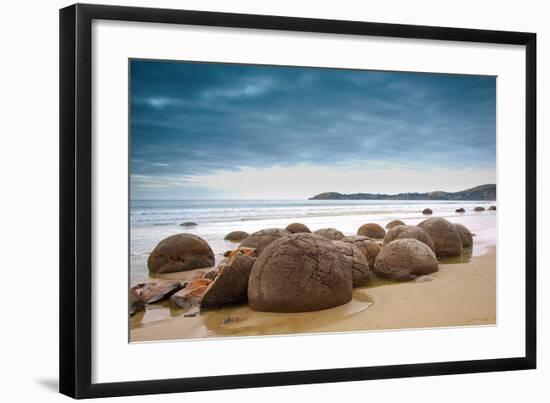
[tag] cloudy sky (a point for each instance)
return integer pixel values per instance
(202, 131)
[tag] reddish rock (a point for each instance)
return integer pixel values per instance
(231, 284)
(158, 290)
(192, 293)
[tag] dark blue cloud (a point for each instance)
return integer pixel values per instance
(196, 118)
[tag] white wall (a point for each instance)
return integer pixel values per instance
(29, 197)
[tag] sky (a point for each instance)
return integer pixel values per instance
(233, 131)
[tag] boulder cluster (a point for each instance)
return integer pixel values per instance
(294, 269)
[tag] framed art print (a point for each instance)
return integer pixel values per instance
(266, 198)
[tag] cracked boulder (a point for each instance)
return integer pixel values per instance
(259, 240)
(405, 259)
(367, 246)
(180, 252)
(409, 231)
(356, 261)
(231, 284)
(445, 236)
(329, 233)
(299, 273)
(371, 230)
(465, 235)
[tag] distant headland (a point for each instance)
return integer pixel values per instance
(482, 192)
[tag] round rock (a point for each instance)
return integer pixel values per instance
(371, 230)
(329, 233)
(465, 235)
(493, 208)
(297, 228)
(236, 236)
(394, 223)
(405, 259)
(179, 253)
(444, 235)
(409, 231)
(479, 208)
(460, 210)
(367, 246)
(299, 273)
(427, 211)
(356, 262)
(259, 240)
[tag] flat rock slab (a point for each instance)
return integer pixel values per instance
(158, 290)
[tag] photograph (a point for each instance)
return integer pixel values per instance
(280, 200)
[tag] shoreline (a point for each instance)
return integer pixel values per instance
(460, 294)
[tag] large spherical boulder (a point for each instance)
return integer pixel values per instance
(329, 233)
(444, 235)
(409, 231)
(299, 273)
(367, 246)
(427, 211)
(479, 208)
(296, 228)
(405, 259)
(356, 261)
(493, 208)
(179, 253)
(460, 210)
(371, 230)
(259, 240)
(236, 236)
(465, 235)
(230, 285)
(394, 223)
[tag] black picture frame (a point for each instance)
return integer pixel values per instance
(75, 307)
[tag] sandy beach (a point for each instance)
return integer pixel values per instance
(461, 293)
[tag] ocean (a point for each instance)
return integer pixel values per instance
(153, 220)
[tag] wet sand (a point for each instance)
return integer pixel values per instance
(459, 294)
